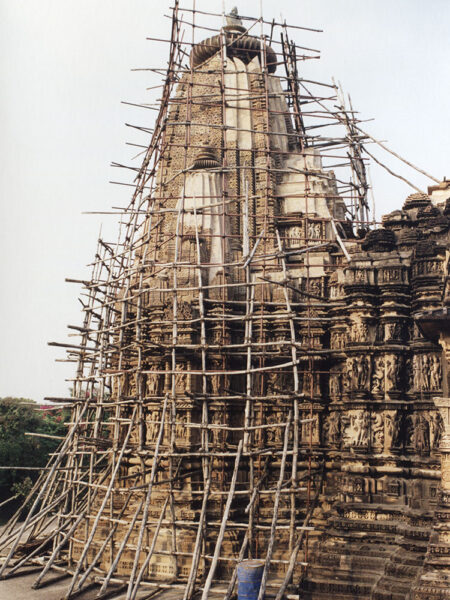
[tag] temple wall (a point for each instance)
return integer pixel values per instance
(340, 343)
(382, 430)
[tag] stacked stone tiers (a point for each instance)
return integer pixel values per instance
(382, 431)
(364, 374)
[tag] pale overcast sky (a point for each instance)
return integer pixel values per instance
(65, 67)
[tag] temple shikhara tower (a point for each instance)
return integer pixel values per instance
(260, 366)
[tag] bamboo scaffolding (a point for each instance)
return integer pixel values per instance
(273, 526)
(135, 454)
(223, 524)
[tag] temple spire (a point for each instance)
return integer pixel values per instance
(234, 22)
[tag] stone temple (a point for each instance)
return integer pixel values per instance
(260, 371)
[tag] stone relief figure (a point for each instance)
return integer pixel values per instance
(180, 378)
(356, 427)
(363, 331)
(393, 331)
(358, 373)
(335, 385)
(393, 366)
(314, 230)
(363, 367)
(360, 276)
(377, 427)
(398, 430)
(185, 312)
(417, 372)
(351, 331)
(295, 235)
(311, 384)
(336, 291)
(272, 382)
(153, 426)
(408, 433)
(435, 372)
(359, 331)
(314, 287)
(358, 485)
(436, 429)
(427, 372)
(271, 432)
(421, 433)
(310, 430)
(378, 375)
(347, 375)
(389, 428)
(181, 431)
(379, 332)
(347, 429)
(218, 435)
(363, 428)
(426, 364)
(334, 428)
(152, 384)
(391, 275)
(389, 331)
(334, 340)
(338, 340)
(401, 367)
(350, 375)
(325, 432)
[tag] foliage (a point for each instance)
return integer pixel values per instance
(22, 488)
(19, 416)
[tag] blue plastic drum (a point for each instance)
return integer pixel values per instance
(249, 575)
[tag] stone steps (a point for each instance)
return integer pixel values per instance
(324, 588)
(401, 571)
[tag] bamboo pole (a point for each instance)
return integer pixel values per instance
(299, 542)
(145, 564)
(56, 550)
(108, 538)
(115, 311)
(223, 525)
(147, 502)
(101, 508)
(273, 527)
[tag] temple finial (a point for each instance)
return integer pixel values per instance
(233, 19)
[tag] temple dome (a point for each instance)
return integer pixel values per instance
(416, 200)
(239, 44)
(379, 240)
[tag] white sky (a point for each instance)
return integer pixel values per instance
(65, 67)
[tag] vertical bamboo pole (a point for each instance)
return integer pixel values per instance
(223, 524)
(273, 527)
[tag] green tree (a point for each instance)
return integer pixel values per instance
(19, 416)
